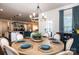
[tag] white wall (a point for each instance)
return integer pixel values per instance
(54, 16)
(3, 26)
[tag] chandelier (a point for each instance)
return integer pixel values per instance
(35, 15)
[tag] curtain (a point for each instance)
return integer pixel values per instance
(75, 18)
(75, 11)
(61, 21)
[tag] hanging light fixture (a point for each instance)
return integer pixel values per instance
(35, 15)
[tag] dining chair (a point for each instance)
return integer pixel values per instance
(56, 37)
(19, 36)
(46, 34)
(16, 36)
(68, 46)
(3, 41)
(9, 50)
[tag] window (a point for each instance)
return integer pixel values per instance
(68, 21)
(49, 26)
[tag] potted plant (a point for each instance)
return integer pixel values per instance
(37, 36)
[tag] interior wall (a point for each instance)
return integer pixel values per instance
(3, 26)
(54, 16)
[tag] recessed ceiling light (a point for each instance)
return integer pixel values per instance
(1, 9)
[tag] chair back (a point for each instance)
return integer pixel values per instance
(19, 36)
(69, 43)
(16, 36)
(46, 34)
(57, 37)
(3, 41)
(10, 51)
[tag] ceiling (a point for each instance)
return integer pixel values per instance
(11, 10)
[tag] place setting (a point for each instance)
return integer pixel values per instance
(45, 47)
(25, 46)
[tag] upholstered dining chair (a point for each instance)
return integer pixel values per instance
(68, 46)
(3, 41)
(9, 50)
(56, 37)
(19, 36)
(46, 34)
(16, 36)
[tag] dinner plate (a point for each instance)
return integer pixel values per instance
(45, 47)
(25, 45)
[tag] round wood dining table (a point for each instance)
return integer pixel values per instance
(35, 48)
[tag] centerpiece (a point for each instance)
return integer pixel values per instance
(37, 37)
